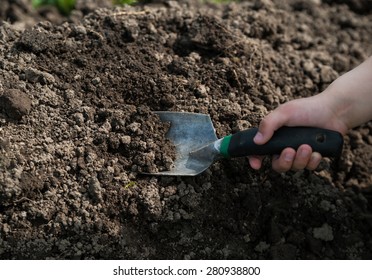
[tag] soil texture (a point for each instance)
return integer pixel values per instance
(77, 129)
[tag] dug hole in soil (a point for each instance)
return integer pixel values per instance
(77, 128)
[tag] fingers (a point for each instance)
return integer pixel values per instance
(255, 162)
(315, 160)
(289, 159)
(302, 157)
(301, 112)
(269, 124)
(284, 162)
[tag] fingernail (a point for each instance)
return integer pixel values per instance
(316, 157)
(258, 137)
(288, 157)
(304, 153)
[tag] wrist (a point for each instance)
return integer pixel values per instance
(350, 96)
(336, 107)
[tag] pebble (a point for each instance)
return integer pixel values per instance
(95, 189)
(96, 81)
(15, 104)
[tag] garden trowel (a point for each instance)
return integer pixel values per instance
(197, 145)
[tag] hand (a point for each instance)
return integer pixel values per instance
(345, 104)
(290, 159)
(313, 111)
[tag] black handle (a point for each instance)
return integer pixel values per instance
(326, 142)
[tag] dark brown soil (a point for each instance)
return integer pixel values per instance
(77, 129)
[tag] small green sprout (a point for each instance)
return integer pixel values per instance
(129, 185)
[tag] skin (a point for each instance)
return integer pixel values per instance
(345, 104)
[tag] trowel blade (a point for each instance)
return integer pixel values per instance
(194, 136)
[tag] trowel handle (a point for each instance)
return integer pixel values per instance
(326, 142)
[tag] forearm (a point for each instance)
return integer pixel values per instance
(350, 96)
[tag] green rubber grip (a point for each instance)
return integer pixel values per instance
(225, 146)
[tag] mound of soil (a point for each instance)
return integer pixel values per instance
(77, 128)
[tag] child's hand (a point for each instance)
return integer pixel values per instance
(345, 104)
(313, 111)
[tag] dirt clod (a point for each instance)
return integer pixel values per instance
(15, 103)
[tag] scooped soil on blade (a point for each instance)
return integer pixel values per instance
(77, 130)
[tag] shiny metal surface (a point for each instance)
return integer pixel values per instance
(194, 138)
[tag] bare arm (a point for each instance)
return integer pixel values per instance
(350, 96)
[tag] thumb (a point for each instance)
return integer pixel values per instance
(269, 125)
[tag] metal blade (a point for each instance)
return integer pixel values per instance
(193, 135)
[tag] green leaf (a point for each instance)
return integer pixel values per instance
(64, 6)
(122, 2)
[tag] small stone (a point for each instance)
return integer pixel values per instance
(95, 189)
(308, 66)
(79, 118)
(15, 104)
(202, 91)
(125, 139)
(96, 81)
(80, 29)
(134, 126)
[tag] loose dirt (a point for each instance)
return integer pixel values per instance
(77, 128)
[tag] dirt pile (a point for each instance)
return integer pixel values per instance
(76, 128)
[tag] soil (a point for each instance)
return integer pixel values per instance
(77, 130)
